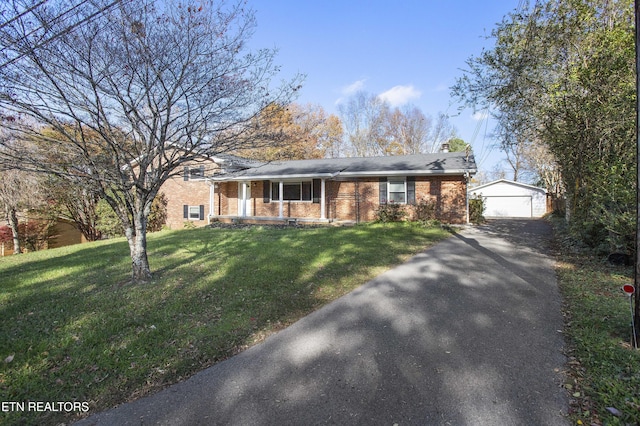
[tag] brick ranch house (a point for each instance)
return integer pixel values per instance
(229, 188)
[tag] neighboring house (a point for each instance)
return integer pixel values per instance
(505, 198)
(322, 190)
(57, 233)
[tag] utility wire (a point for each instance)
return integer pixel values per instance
(20, 15)
(65, 31)
(50, 23)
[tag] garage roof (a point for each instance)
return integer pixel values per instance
(509, 182)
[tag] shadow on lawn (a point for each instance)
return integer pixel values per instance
(451, 337)
(78, 334)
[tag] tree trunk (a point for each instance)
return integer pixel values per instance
(137, 238)
(13, 224)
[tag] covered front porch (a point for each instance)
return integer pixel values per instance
(269, 201)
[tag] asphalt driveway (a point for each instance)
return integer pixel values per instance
(466, 333)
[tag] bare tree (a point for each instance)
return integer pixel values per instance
(132, 94)
(408, 130)
(18, 191)
(441, 131)
(324, 131)
(10, 200)
(372, 127)
(363, 117)
(76, 202)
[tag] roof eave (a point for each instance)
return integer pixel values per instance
(379, 173)
(272, 177)
(408, 173)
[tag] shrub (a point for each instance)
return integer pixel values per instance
(158, 214)
(108, 222)
(424, 211)
(390, 212)
(6, 235)
(476, 209)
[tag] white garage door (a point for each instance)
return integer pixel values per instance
(508, 206)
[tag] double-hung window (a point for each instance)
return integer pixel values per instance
(193, 212)
(193, 173)
(398, 190)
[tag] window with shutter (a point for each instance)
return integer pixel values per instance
(397, 190)
(193, 173)
(193, 212)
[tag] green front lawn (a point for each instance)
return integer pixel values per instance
(74, 329)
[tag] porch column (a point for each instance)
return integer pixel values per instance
(281, 199)
(322, 200)
(244, 199)
(212, 200)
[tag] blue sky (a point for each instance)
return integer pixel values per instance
(407, 51)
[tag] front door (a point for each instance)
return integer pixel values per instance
(244, 199)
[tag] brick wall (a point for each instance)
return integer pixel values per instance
(356, 200)
(448, 192)
(226, 192)
(190, 192)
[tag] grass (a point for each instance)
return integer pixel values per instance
(74, 329)
(604, 370)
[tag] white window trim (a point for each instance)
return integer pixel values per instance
(281, 189)
(198, 176)
(192, 210)
(397, 180)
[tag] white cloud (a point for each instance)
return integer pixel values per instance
(400, 95)
(353, 87)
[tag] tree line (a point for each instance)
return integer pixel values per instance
(560, 80)
(302, 132)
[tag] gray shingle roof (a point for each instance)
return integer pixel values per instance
(402, 165)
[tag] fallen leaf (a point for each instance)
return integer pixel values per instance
(614, 411)
(8, 359)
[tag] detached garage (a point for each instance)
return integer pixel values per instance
(505, 198)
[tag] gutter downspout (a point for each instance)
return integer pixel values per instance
(280, 199)
(467, 178)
